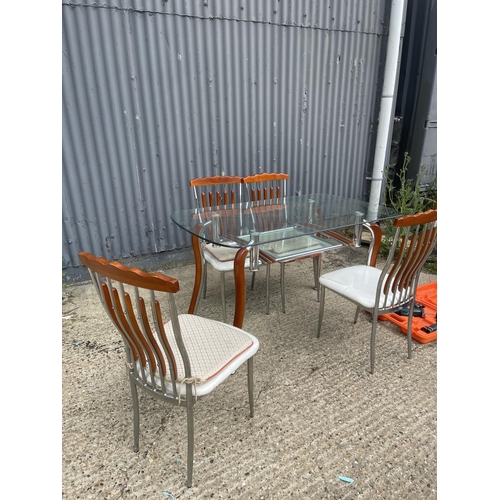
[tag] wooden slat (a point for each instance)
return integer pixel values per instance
(116, 322)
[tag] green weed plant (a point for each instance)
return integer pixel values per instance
(408, 199)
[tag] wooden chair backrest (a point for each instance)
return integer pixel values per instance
(414, 240)
(265, 187)
(217, 190)
(267, 191)
(129, 297)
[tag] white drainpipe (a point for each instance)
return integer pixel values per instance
(386, 104)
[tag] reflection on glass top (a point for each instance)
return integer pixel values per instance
(236, 225)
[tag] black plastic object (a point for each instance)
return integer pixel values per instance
(418, 311)
(429, 328)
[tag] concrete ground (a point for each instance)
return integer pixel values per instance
(319, 413)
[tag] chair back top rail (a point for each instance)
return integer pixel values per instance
(217, 190)
(266, 186)
(415, 219)
(129, 275)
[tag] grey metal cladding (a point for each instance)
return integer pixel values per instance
(158, 92)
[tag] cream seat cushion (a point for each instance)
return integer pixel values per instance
(215, 350)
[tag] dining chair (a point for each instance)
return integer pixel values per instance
(268, 191)
(179, 360)
(381, 291)
(213, 192)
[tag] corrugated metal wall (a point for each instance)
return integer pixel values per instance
(157, 92)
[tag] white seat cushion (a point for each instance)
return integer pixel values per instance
(222, 258)
(357, 283)
(221, 253)
(215, 350)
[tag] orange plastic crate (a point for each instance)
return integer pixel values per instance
(427, 296)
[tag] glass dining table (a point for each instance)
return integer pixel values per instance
(297, 225)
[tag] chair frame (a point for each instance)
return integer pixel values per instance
(414, 240)
(148, 363)
(218, 195)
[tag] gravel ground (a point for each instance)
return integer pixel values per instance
(319, 413)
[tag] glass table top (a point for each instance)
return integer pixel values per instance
(269, 223)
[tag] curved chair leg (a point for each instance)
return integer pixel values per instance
(321, 307)
(250, 383)
(239, 287)
(190, 424)
(223, 295)
(372, 343)
(282, 286)
(268, 279)
(135, 404)
(198, 278)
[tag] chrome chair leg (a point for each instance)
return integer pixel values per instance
(190, 430)
(135, 405)
(250, 383)
(204, 280)
(253, 279)
(223, 295)
(317, 272)
(356, 315)
(282, 286)
(372, 343)
(409, 333)
(321, 308)
(268, 278)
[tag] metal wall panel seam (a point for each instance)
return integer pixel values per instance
(126, 146)
(204, 93)
(323, 47)
(298, 21)
(152, 118)
(149, 120)
(306, 115)
(349, 172)
(102, 140)
(84, 121)
(132, 112)
(325, 138)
